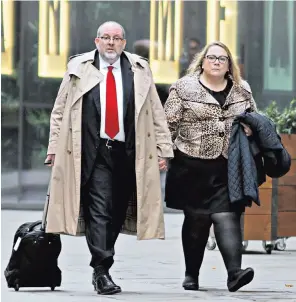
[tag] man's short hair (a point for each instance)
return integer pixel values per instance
(194, 40)
(110, 22)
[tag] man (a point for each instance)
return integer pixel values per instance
(194, 46)
(108, 140)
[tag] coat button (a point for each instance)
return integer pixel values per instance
(150, 156)
(69, 152)
(221, 134)
(148, 134)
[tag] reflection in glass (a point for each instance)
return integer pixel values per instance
(36, 137)
(279, 23)
(9, 123)
(9, 138)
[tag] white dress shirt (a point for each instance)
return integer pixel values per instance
(119, 92)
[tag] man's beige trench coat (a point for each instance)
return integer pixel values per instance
(153, 139)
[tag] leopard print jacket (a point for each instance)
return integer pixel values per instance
(199, 126)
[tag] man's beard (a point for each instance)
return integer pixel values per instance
(110, 56)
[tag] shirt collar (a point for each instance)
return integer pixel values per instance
(104, 64)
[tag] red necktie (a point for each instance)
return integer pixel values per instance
(111, 121)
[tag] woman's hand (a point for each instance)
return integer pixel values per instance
(247, 129)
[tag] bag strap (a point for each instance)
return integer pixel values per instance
(32, 226)
(44, 216)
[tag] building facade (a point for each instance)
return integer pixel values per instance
(37, 38)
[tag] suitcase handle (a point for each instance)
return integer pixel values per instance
(43, 222)
(32, 226)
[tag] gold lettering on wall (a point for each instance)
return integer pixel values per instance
(222, 23)
(228, 26)
(213, 21)
(165, 39)
(53, 38)
(7, 37)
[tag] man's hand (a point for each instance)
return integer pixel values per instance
(247, 129)
(49, 161)
(162, 162)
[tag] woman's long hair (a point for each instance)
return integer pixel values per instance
(196, 65)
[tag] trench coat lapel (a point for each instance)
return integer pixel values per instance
(95, 92)
(90, 77)
(127, 81)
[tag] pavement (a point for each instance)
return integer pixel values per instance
(153, 270)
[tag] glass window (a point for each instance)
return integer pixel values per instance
(279, 25)
(9, 139)
(39, 90)
(9, 103)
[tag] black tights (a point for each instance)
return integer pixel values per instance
(195, 233)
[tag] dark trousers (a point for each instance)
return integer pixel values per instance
(105, 198)
(195, 233)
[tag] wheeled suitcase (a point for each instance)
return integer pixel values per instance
(34, 258)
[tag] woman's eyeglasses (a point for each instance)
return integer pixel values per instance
(213, 59)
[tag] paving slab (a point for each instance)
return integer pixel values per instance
(153, 270)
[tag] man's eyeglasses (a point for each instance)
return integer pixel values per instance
(107, 39)
(221, 59)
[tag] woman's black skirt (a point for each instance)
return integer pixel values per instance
(199, 185)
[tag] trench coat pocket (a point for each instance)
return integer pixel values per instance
(57, 185)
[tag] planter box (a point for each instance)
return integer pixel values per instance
(276, 217)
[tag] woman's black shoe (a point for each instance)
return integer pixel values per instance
(240, 278)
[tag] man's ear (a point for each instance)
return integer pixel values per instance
(97, 40)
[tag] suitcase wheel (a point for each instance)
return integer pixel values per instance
(52, 288)
(269, 247)
(16, 287)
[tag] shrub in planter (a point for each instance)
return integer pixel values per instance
(286, 120)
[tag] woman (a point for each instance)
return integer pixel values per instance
(200, 110)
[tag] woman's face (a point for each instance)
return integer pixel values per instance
(216, 62)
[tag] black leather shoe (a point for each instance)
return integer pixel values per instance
(240, 278)
(103, 283)
(190, 283)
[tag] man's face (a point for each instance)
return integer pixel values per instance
(193, 48)
(110, 44)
